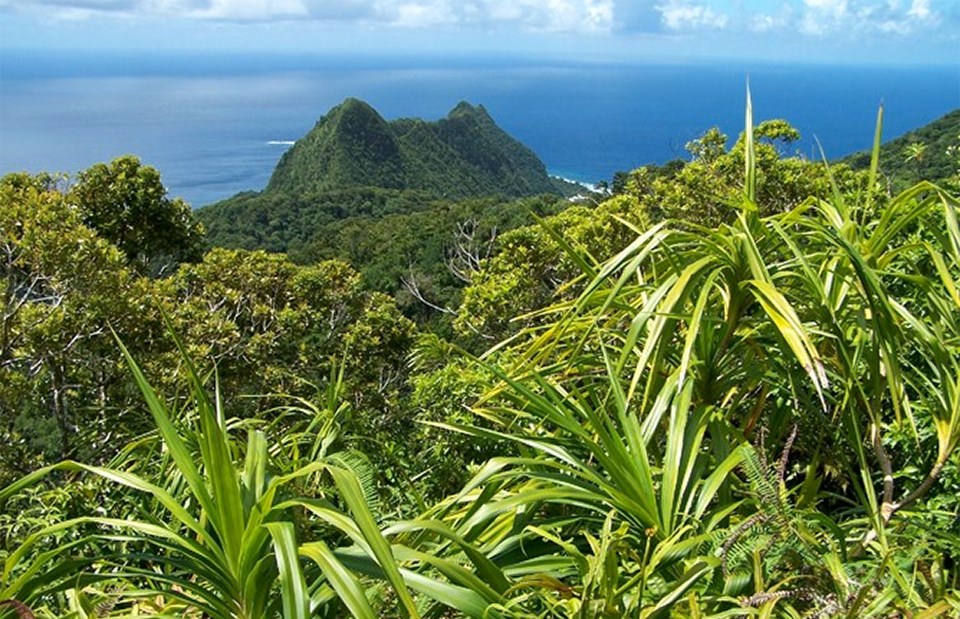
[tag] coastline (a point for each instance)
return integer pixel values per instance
(592, 187)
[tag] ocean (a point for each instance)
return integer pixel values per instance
(216, 125)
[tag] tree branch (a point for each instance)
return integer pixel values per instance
(410, 285)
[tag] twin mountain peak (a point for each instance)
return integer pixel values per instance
(462, 155)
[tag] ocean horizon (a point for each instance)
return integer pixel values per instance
(216, 125)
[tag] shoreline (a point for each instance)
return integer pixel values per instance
(588, 186)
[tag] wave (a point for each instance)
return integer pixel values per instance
(589, 186)
(281, 142)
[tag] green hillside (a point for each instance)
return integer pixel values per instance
(463, 155)
(928, 153)
(354, 165)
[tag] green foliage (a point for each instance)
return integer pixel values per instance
(831, 326)
(223, 543)
(402, 243)
(729, 390)
(928, 153)
(73, 256)
(446, 383)
(280, 222)
(532, 266)
(777, 131)
(126, 203)
(707, 189)
(434, 250)
(62, 285)
(708, 147)
(274, 330)
(267, 325)
(390, 199)
(465, 154)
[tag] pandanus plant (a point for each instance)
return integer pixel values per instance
(222, 542)
(640, 411)
(640, 414)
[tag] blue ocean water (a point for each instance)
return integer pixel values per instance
(216, 125)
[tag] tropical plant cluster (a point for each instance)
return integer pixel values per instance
(731, 388)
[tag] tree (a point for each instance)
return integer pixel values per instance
(63, 286)
(777, 131)
(127, 204)
(213, 537)
(916, 153)
(532, 266)
(275, 330)
(746, 419)
(268, 326)
(708, 147)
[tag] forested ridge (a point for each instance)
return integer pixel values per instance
(354, 163)
(725, 387)
(922, 154)
(394, 199)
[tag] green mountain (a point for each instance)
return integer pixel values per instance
(354, 171)
(921, 154)
(463, 155)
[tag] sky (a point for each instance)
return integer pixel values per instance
(834, 31)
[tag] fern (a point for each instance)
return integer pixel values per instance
(779, 543)
(358, 464)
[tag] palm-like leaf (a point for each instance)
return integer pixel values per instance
(633, 405)
(228, 547)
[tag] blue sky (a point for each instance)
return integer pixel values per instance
(840, 31)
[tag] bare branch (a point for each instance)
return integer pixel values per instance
(886, 507)
(410, 285)
(23, 611)
(467, 251)
(785, 455)
(920, 490)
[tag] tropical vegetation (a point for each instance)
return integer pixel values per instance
(729, 389)
(928, 152)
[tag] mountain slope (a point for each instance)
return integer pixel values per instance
(354, 165)
(921, 154)
(463, 155)
(350, 146)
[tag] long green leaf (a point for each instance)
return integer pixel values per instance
(874, 159)
(171, 437)
(343, 581)
(750, 157)
(353, 496)
(293, 587)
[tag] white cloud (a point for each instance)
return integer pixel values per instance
(831, 17)
(893, 27)
(775, 19)
(73, 9)
(920, 9)
(766, 23)
(811, 18)
(836, 7)
(534, 15)
(245, 9)
(573, 15)
(682, 15)
(821, 16)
